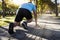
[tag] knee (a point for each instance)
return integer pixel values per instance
(29, 20)
(16, 23)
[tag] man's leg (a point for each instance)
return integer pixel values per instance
(11, 27)
(17, 20)
(24, 24)
(28, 16)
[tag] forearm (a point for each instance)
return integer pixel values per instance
(35, 16)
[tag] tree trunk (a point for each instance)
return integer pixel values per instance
(56, 8)
(4, 8)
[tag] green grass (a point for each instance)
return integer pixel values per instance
(53, 14)
(5, 21)
(58, 17)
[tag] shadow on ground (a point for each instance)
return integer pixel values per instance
(50, 23)
(7, 21)
(22, 34)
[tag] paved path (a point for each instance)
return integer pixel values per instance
(47, 30)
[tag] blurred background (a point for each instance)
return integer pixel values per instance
(8, 8)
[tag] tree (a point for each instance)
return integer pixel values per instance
(44, 4)
(7, 6)
(3, 7)
(56, 8)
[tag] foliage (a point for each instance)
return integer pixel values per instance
(0, 6)
(11, 5)
(5, 21)
(44, 5)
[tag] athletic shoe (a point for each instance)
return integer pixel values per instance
(24, 24)
(11, 26)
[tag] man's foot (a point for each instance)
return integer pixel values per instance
(11, 26)
(24, 24)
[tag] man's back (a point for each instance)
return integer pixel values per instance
(28, 6)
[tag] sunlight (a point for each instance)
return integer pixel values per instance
(0, 0)
(18, 2)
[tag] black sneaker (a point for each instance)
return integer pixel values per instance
(11, 26)
(24, 24)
